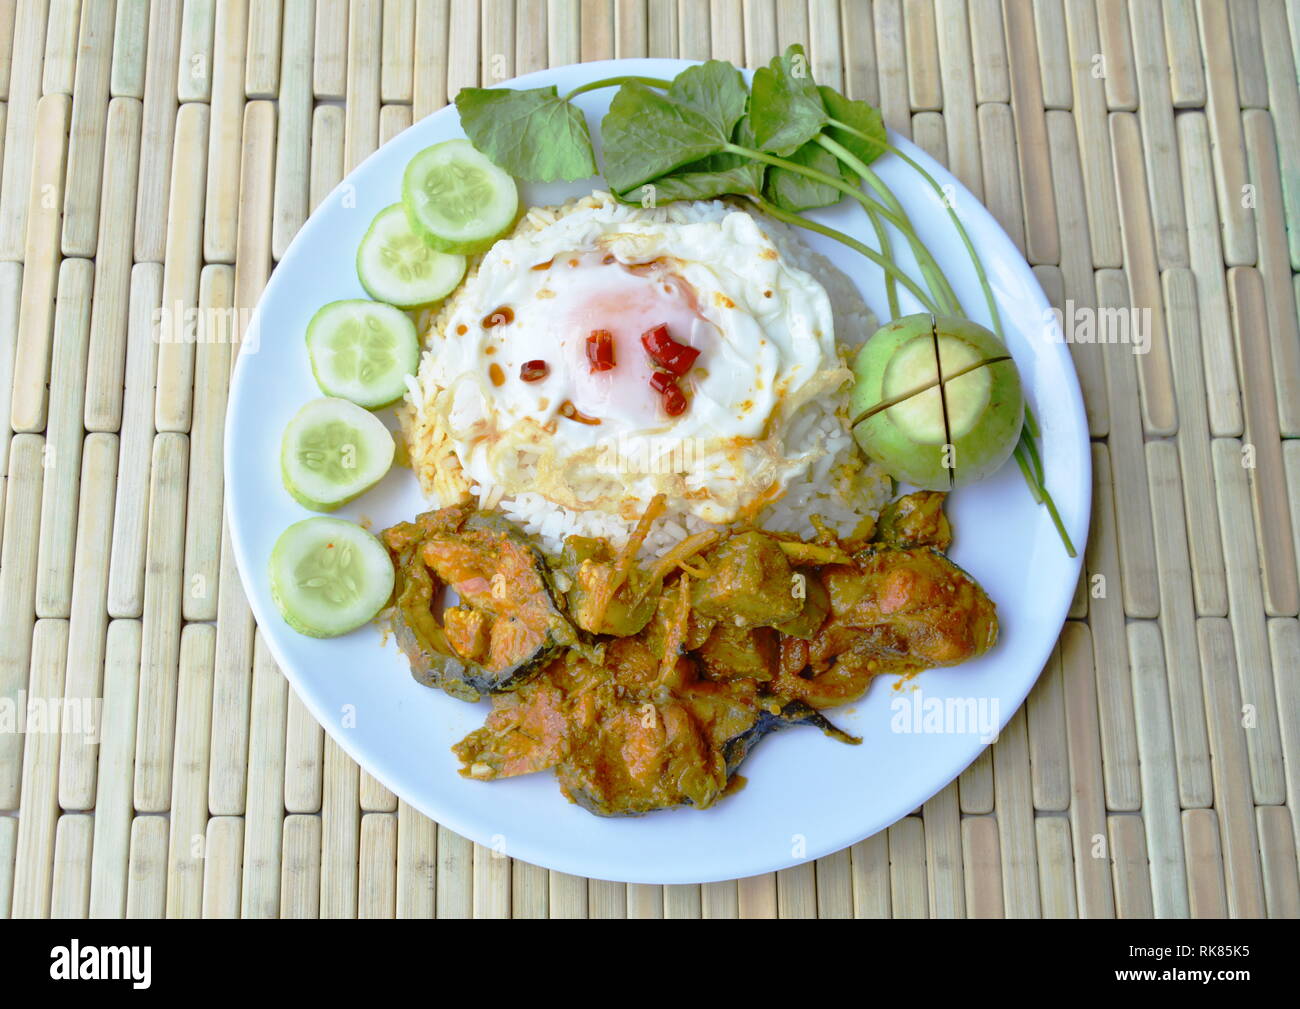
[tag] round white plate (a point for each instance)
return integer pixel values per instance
(806, 795)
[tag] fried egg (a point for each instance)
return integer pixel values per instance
(539, 378)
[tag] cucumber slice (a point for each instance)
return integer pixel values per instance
(363, 350)
(397, 266)
(458, 200)
(332, 451)
(329, 576)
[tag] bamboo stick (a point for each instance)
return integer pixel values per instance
(943, 860)
(1232, 768)
(225, 849)
(661, 27)
(562, 19)
(86, 144)
(330, 61)
(60, 65)
(362, 111)
(1208, 577)
(871, 897)
(303, 757)
(130, 46)
(924, 87)
(528, 891)
(454, 896)
(891, 66)
(1284, 644)
(1156, 748)
(232, 685)
(213, 340)
(958, 89)
(858, 28)
(1015, 823)
(1284, 101)
(643, 902)
(1056, 867)
(105, 372)
(417, 864)
(340, 826)
(490, 884)
(397, 63)
(989, 52)
(530, 37)
(1094, 141)
(1053, 53)
(463, 46)
(1206, 257)
(188, 854)
(1205, 890)
(17, 596)
(110, 857)
(566, 895)
(907, 869)
(1283, 327)
(89, 617)
(194, 68)
(159, 121)
(378, 868)
(1246, 608)
(497, 41)
(694, 40)
(1248, 54)
(982, 869)
(834, 889)
(222, 193)
(1042, 243)
(11, 293)
(1128, 858)
(1278, 858)
(300, 866)
(160, 645)
(1087, 821)
(1106, 621)
(1117, 53)
(1178, 624)
(1048, 755)
(8, 14)
(714, 901)
(1135, 533)
(27, 411)
(63, 436)
(727, 38)
(429, 79)
(976, 785)
(1223, 112)
(630, 27)
(796, 891)
(34, 860)
(21, 122)
(131, 507)
(293, 147)
(1155, 113)
(146, 895)
(265, 807)
(1186, 76)
(262, 66)
(70, 888)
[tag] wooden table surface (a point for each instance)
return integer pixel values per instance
(158, 152)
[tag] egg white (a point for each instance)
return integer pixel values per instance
(763, 327)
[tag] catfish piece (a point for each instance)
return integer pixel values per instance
(750, 583)
(915, 520)
(775, 714)
(508, 623)
(732, 653)
(816, 605)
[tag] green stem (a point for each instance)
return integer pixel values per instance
(891, 270)
(934, 276)
(614, 82)
(891, 285)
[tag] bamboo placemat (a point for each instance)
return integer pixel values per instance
(1142, 154)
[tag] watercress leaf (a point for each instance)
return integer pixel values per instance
(785, 105)
(715, 89)
(862, 117)
(532, 134)
(647, 135)
(792, 191)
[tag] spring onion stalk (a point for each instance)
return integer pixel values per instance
(615, 82)
(891, 270)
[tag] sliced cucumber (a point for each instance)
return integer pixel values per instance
(458, 200)
(332, 451)
(363, 350)
(329, 576)
(397, 266)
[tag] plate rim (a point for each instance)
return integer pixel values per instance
(972, 207)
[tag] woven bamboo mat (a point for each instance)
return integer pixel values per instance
(1140, 153)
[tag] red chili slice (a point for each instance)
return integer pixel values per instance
(667, 352)
(600, 350)
(661, 382)
(534, 371)
(674, 401)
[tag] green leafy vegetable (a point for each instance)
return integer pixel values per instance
(709, 178)
(716, 90)
(856, 125)
(647, 135)
(534, 134)
(792, 191)
(786, 107)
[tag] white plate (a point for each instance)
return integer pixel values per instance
(806, 795)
